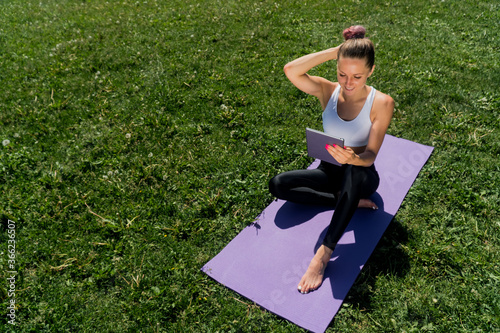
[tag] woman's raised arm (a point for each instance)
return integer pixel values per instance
(296, 72)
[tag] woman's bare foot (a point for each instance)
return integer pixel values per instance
(313, 278)
(364, 203)
(367, 203)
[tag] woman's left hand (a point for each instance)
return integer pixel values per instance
(343, 155)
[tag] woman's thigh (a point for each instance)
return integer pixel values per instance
(325, 178)
(314, 179)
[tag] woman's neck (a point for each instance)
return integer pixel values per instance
(362, 94)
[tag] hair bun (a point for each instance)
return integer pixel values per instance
(356, 31)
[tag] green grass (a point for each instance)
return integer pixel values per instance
(142, 134)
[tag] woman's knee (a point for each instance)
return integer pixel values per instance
(274, 186)
(360, 180)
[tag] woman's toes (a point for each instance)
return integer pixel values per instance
(302, 289)
(367, 203)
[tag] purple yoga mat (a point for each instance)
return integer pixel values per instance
(267, 259)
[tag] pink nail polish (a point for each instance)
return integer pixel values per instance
(334, 145)
(326, 147)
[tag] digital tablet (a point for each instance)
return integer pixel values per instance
(316, 142)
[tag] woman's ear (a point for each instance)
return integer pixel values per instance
(371, 71)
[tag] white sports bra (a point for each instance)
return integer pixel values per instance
(354, 132)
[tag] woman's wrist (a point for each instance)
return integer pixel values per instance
(333, 52)
(365, 159)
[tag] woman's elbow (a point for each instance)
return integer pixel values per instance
(287, 68)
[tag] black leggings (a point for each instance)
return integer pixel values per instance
(328, 185)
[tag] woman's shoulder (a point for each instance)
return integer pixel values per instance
(328, 87)
(383, 106)
(383, 100)
(331, 87)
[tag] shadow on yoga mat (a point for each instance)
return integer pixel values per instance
(304, 213)
(266, 260)
(349, 251)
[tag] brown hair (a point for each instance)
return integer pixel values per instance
(357, 46)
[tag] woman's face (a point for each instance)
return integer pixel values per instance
(352, 74)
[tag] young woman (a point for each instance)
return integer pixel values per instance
(353, 111)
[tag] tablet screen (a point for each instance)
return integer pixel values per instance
(316, 142)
